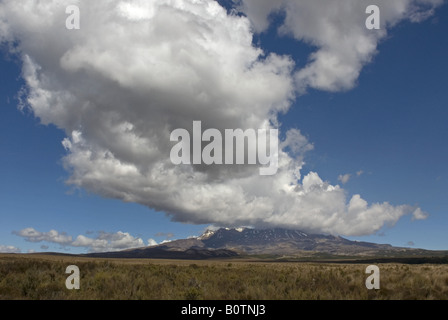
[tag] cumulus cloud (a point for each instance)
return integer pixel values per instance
(104, 241)
(136, 70)
(9, 249)
(337, 29)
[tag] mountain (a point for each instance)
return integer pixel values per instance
(286, 242)
(225, 243)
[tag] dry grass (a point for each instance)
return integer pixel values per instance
(43, 277)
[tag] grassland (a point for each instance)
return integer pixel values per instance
(43, 277)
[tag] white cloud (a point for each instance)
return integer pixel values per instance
(344, 178)
(152, 242)
(96, 245)
(337, 29)
(104, 241)
(9, 249)
(107, 241)
(32, 235)
(418, 214)
(359, 173)
(136, 70)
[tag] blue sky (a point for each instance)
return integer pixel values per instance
(386, 133)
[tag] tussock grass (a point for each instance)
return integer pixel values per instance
(41, 277)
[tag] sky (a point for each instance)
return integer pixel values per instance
(86, 116)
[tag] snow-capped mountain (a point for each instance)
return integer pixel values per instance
(283, 241)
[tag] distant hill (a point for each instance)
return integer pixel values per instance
(272, 243)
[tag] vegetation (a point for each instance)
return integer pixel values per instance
(43, 277)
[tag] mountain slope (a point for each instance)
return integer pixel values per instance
(287, 242)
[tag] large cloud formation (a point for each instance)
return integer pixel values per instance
(137, 69)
